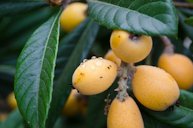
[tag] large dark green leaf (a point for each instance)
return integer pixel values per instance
(191, 48)
(189, 21)
(178, 117)
(63, 84)
(35, 73)
(66, 47)
(24, 22)
(186, 99)
(151, 17)
(96, 114)
(186, 28)
(4, 22)
(96, 108)
(7, 73)
(14, 120)
(13, 40)
(187, 11)
(6, 69)
(11, 8)
(151, 122)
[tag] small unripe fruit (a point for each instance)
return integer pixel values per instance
(154, 88)
(130, 48)
(180, 67)
(72, 16)
(71, 107)
(112, 57)
(124, 114)
(12, 101)
(94, 76)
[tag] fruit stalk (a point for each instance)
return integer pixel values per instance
(125, 73)
(55, 2)
(169, 47)
(65, 3)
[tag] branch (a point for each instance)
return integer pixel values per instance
(183, 5)
(126, 75)
(169, 47)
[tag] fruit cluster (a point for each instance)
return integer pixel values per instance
(153, 87)
(156, 88)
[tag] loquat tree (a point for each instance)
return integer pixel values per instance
(96, 64)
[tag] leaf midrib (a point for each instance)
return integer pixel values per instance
(40, 72)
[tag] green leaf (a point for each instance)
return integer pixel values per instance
(25, 22)
(189, 21)
(186, 28)
(13, 40)
(191, 48)
(59, 123)
(14, 120)
(7, 73)
(179, 117)
(186, 99)
(150, 17)
(150, 122)
(96, 108)
(96, 111)
(186, 11)
(12, 8)
(4, 22)
(66, 47)
(63, 84)
(6, 69)
(35, 73)
(8, 60)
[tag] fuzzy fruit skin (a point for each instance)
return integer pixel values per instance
(180, 67)
(12, 101)
(72, 16)
(112, 57)
(154, 88)
(71, 107)
(124, 114)
(130, 50)
(94, 76)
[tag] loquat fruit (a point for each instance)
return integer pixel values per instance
(154, 88)
(180, 67)
(72, 16)
(124, 114)
(112, 57)
(71, 107)
(94, 76)
(12, 101)
(130, 48)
